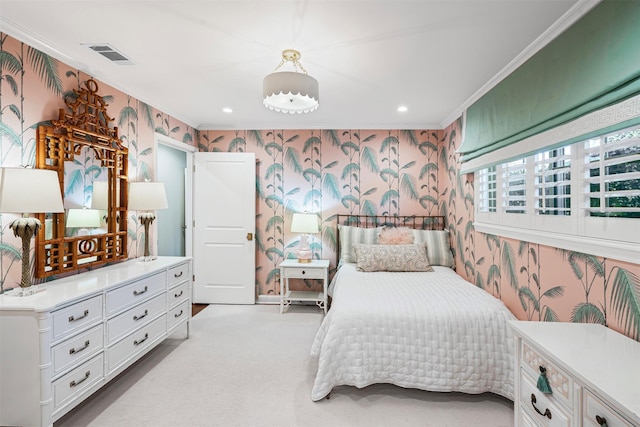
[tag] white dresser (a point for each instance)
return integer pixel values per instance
(593, 371)
(62, 344)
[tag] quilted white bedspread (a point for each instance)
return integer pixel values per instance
(432, 331)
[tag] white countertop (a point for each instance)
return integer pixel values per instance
(71, 288)
(600, 358)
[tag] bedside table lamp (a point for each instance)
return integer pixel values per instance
(147, 196)
(306, 224)
(25, 191)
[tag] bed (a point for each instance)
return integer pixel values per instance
(429, 330)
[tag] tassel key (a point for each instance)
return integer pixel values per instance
(543, 381)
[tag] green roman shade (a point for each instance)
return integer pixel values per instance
(591, 65)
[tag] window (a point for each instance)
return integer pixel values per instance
(584, 196)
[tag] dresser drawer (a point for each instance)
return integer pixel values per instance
(178, 294)
(74, 350)
(596, 413)
(76, 317)
(303, 273)
(178, 274)
(135, 343)
(135, 317)
(131, 294)
(178, 314)
(72, 385)
(526, 421)
(532, 398)
(561, 383)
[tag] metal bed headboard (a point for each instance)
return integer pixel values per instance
(420, 222)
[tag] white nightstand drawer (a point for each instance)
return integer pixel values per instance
(178, 274)
(77, 317)
(178, 314)
(178, 294)
(75, 382)
(303, 273)
(548, 413)
(133, 344)
(133, 293)
(76, 349)
(133, 318)
(597, 413)
(560, 382)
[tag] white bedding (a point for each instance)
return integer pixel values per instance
(432, 331)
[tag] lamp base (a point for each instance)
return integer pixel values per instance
(304, 260)
(24, 292)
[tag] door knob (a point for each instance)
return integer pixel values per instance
(249, 236)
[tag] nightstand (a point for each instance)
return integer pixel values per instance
(292, 269)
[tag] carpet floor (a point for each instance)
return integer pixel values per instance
(250, 366)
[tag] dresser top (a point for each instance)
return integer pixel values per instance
(600, 358)
(66, 290)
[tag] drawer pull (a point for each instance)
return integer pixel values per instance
(178, 314)
(136, 293)
(176, 275)
(136, 342)
(547, 412)
(74, 350)
(602, 421)
(178, 295)
(304, 272)
(146, 312)
(75, 319)
(75, 383)
(543, 381)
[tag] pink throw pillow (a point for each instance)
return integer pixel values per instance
(396, 236)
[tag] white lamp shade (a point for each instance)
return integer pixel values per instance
(83, 218)
(100, 196)
(304, 223)
(24, 190)
(147, 196)
(290, 92)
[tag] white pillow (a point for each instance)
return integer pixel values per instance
(438, 246)
(350, 235)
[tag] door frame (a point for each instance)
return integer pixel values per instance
(160, 139)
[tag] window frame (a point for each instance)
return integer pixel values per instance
(611, 237)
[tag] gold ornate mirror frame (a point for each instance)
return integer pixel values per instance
(86, 125)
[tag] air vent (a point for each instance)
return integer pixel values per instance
(111, 53)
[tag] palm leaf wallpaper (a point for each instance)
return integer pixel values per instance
(354, 171)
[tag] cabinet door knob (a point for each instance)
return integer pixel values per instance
(602, 421)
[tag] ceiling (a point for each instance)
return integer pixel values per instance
(193, 58)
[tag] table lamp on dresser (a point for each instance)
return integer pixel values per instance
(306, 224)
(25, 191)
(147, 196)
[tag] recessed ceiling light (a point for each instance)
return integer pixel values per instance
(227, 110)
(402, 109)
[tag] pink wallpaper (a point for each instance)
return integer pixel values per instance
(329, 172)
(33, 86)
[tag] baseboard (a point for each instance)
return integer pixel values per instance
(268, 299)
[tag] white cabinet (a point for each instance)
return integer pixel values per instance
(593, 373)
(62, 344)
(292, 269)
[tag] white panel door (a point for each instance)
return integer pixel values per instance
(224, 214)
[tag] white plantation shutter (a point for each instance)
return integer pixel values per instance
(514, 187)
(552, 183)
(487, 190)
(584, 196)
(612, 174)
